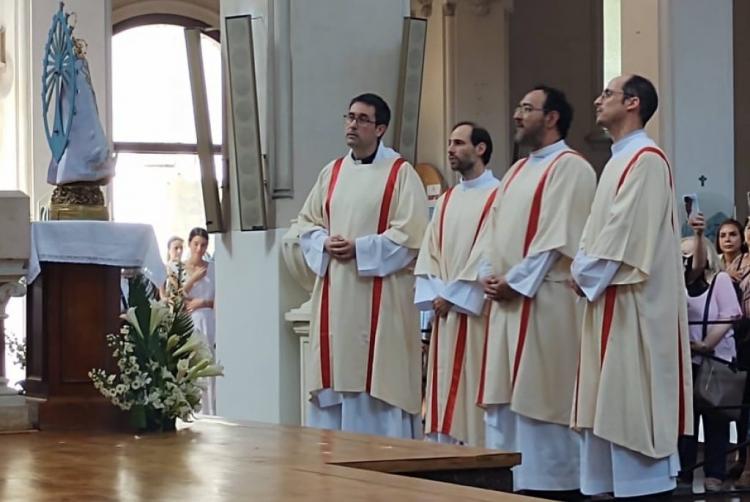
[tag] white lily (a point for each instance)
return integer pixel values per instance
(158, 313)
(202, 365)
(212, 370)
(132, 319)
(172, 341)
(194, 341)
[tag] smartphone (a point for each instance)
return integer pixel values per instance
(691, 204)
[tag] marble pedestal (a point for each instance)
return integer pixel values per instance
(15, 413)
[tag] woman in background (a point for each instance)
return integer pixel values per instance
(732, 250)
(716, 340)
(199, 290)
(172, 290)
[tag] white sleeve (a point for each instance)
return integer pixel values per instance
(593, 275)
(313, 249)
(485, 268)
(527, 276)
(378, 256)
(427, 289)
(467, 297)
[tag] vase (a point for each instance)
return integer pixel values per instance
(150, 420)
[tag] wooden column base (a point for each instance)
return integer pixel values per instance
(81, 413)
(70, 309)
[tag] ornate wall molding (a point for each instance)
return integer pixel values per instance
(206, 11)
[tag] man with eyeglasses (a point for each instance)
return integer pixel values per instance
(634, 391)
(360, 229)
(447, 284)
(531, 344)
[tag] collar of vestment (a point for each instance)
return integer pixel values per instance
(547, 151)
(630, 142)
(382, 153)
(485, 180)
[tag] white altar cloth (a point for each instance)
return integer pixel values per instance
(126, 245)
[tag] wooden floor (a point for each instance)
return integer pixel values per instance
(217, 460)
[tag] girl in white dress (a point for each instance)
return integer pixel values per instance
(199, 290)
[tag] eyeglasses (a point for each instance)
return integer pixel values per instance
(526, 109)
(361, 120)
(608, 93)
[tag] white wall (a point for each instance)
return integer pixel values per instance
(340, 48)
(15, 89)
(481, 80)
(702, 93)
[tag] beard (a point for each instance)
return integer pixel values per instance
(461, 165)
(529, 136)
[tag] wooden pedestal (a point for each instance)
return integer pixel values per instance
(70, 309)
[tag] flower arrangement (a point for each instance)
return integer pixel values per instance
(162, 361)
(174, 288)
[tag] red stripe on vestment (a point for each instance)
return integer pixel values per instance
(325, 357)
(522, 330)
(631, 163)
(648, 149)
(514, 174)
(483, 215)
(442, 217)
(331, 186)
(531, 230)
(681, 391)
(609, 311)
(434, 405)
(458, 362)
(377, 282)
(325, 332)
(578, 381)
(483, 370)
(462, 325)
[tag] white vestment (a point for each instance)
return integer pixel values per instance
(606, 466)
(539, 429)
(376, 256)
(454, 359)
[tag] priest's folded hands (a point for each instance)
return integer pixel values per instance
(441, 306)
(498, 289)
(340, 249)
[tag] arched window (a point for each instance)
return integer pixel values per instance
(158, 174)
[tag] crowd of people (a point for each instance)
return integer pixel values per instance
(718, 289)
(561, 320)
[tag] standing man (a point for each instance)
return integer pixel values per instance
(531, 347)
(360, 228)
(445, 285)
(633, 392)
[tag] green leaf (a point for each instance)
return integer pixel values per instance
(140, 292)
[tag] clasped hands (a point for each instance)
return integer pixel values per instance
(339, 248)
(498, 289)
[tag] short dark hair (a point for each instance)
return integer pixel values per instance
(382, 111)
(740, 231)
(197, 232)
(556, 101)
(644, 90)
(478, 135)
